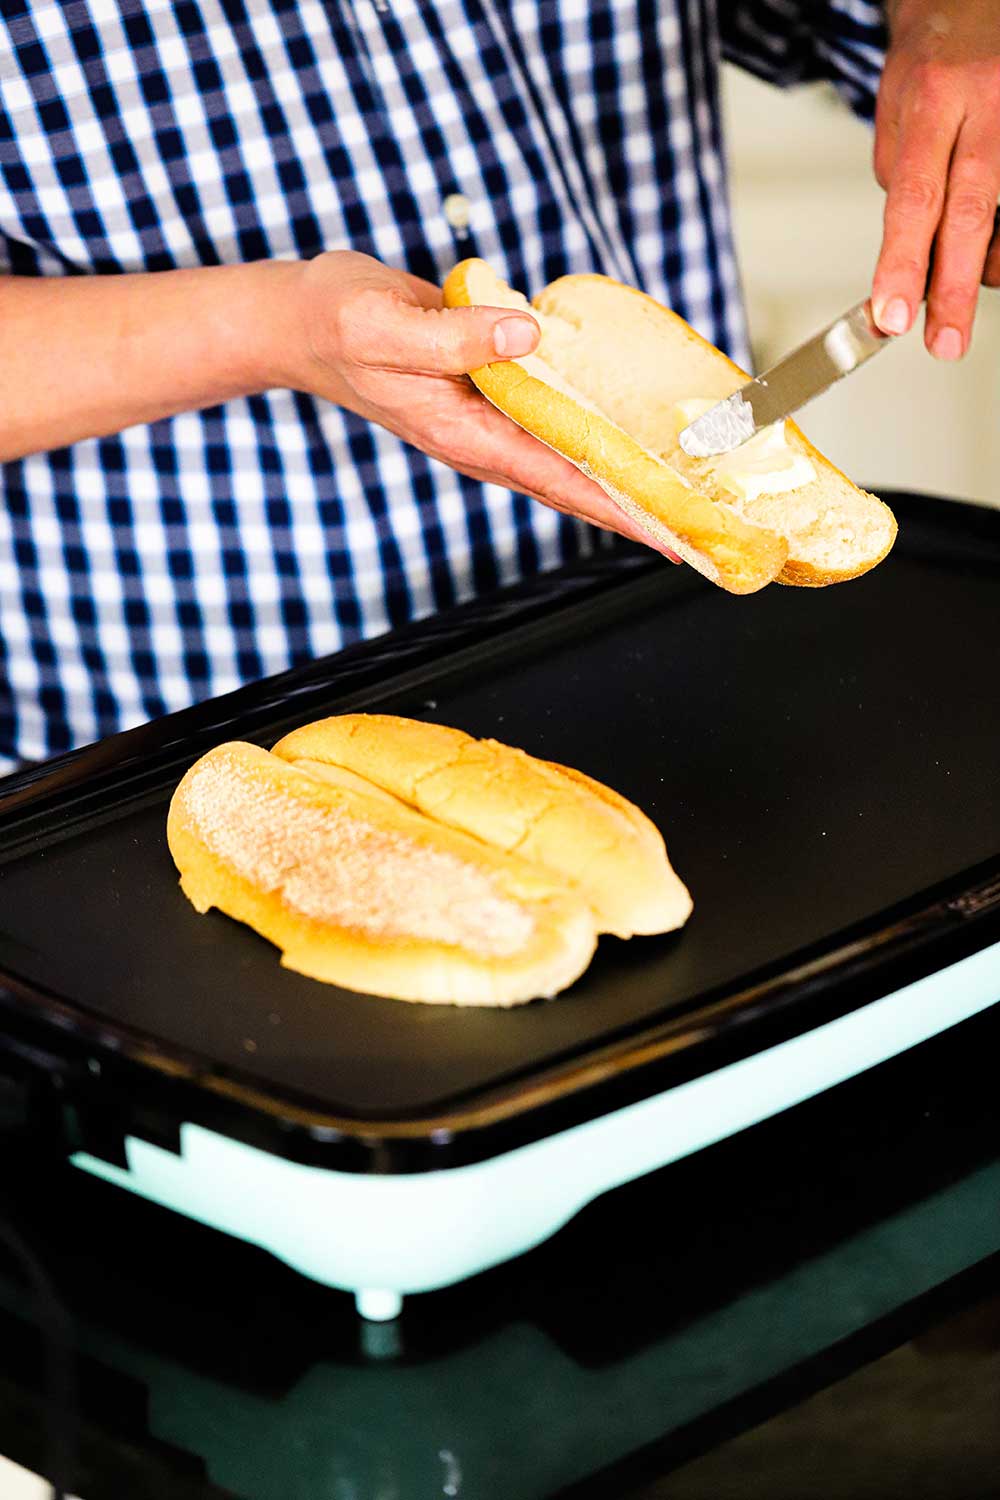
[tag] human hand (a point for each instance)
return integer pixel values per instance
(380, 343)
(937, 154)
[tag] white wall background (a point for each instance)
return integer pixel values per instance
(808, 223)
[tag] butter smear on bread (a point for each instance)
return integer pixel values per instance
(605, 387)
(764, 465)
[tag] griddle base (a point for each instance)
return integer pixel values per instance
(344, 1229)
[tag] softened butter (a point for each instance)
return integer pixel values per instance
(766, 465)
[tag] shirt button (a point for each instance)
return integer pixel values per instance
(458, 212)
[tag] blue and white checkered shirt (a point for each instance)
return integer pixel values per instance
(172, 562)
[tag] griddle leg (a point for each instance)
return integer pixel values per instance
(378, 1305)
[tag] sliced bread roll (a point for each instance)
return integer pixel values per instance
(409, 860)
(360, 890)
(558, 819)
(603, 388)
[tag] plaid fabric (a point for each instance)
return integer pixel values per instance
(174, 561)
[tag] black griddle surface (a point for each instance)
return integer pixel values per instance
(814, 757)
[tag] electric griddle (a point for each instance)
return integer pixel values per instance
(824, 766)
(687, 1307)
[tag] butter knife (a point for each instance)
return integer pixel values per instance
(788, 385)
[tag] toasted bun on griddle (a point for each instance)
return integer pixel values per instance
(362, 891)
(610, 366)
(412, 861)
(558, 819)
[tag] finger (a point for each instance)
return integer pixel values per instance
(522, 463)
(913, 208)
(386, 332)
(886, 130)
(609, 519)
(963, 241)
(475, 438)
(991, 270)
(534, 470)
(621, 524)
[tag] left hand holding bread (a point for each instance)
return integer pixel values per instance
(380, 342)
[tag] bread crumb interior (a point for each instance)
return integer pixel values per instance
(632, 370)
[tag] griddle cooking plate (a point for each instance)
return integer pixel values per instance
(815, 759)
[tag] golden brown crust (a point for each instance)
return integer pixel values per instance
(801, 574)
(740, 557)
(558, 299)
(395, 753)
(695, 524)
(371, 896)
(559, 820)
(643, 827)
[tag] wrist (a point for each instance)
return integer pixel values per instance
(264, 325)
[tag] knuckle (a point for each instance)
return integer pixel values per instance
(954, 308)
(931, 82)
(903, 268)
(355, 323)
(970, 209)
(956, 296)
(919, 195)
(446, 343)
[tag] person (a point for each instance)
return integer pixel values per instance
(235, 430)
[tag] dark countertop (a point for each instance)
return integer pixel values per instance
(812, 1309)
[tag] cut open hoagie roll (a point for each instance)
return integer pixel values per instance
(409, 860)
(614, 379)
(556, 818)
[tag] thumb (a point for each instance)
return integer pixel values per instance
(450, 341)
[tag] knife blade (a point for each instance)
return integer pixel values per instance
(806, 372)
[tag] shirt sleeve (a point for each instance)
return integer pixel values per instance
(16, 258)
(802, 41)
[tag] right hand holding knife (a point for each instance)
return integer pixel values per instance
(937, 154)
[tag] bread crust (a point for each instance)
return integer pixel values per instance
(802, 575)
(410, 860)
(348, 886)
(733, 557)
(560, 820)
(740, 557)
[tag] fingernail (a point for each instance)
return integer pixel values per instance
(894, 315)
(947, 344)
(514, 336)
